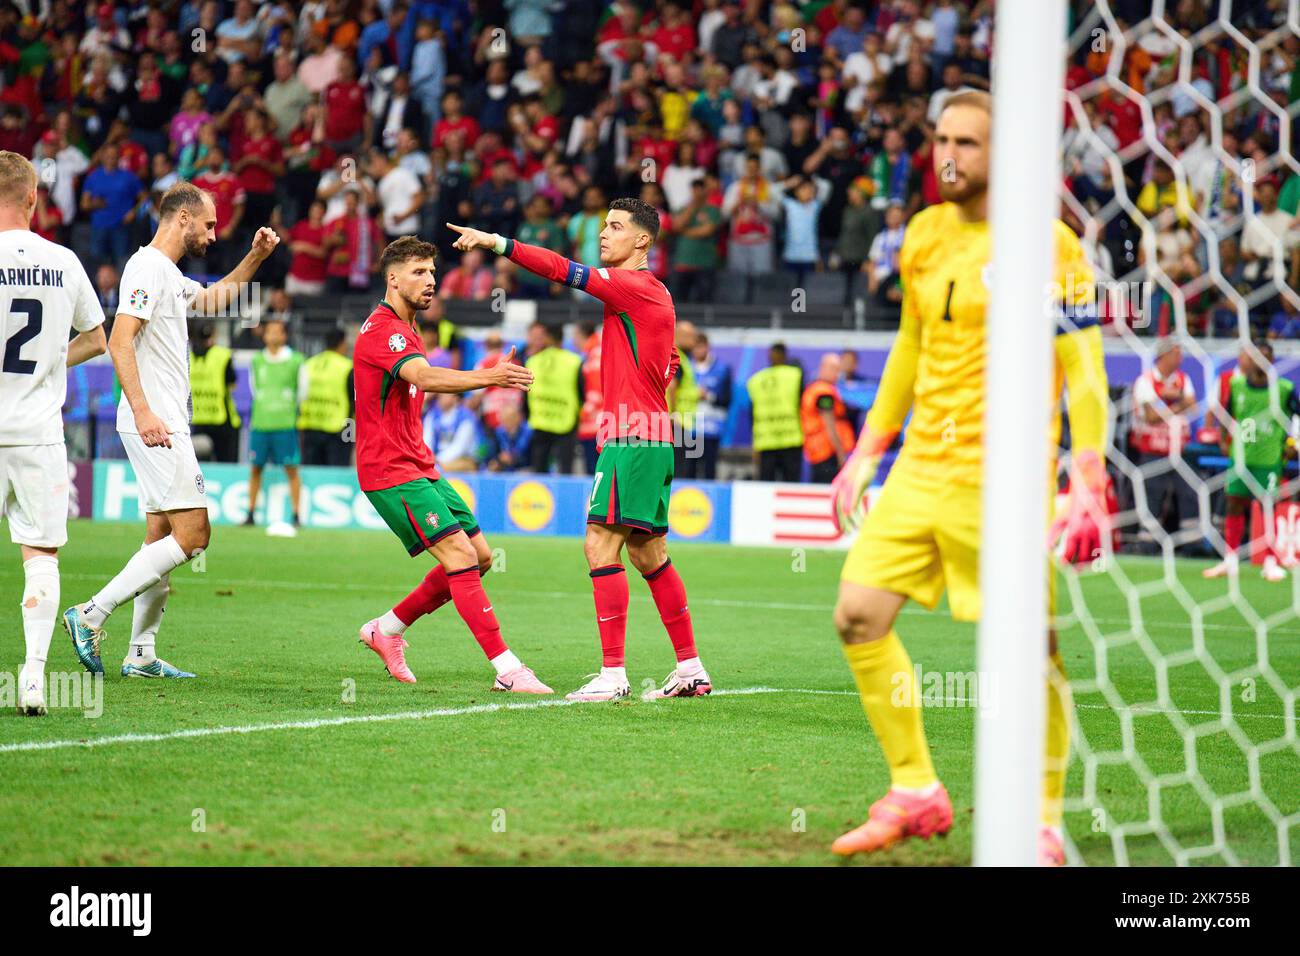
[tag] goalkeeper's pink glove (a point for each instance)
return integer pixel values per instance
(849, 489)
(1086, 522)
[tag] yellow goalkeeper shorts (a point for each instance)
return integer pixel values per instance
(918, 538)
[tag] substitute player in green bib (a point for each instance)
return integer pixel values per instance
(1258, 447)
(273, 435)
(634, 470)
(396, 470)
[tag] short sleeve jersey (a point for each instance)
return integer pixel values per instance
(155, 292)
(390, 437)
(45, 294)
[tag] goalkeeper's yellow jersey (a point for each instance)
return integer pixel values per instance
(936, 367)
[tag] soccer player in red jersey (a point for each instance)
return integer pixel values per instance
(396, 471)
(634, 470)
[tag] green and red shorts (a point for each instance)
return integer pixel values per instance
(423, 512)
(632, 486)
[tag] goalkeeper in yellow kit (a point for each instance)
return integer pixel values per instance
(922, 534)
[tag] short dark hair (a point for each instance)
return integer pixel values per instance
(335, 337)
(181, 196)
(404, 250)
(644, 215)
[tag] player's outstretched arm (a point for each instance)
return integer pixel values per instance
(86, 346)
(121, 346)
(598, 283)
(218, 296)
(430, 378)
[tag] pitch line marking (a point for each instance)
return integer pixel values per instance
(89, 743)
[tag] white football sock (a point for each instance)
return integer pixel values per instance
(40, 606)
(145, 569)
(615, 673)
(390, 625)
(505, 662)
(146, 618)
(691, 665)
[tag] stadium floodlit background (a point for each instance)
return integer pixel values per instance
(786, 146)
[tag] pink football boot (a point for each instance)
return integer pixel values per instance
(896, 816)
(389, 649)
(521, 680)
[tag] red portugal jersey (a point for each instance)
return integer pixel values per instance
(637, 355)
(390, 439)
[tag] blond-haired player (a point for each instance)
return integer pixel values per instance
(45, 295)
(922, 534)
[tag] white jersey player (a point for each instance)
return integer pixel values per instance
(150, 349)
(44, 296)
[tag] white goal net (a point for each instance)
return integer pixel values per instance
(1179, 171)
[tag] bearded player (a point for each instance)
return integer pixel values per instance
(396, 470)
(634, 469)
(923, 532)
(150, 347)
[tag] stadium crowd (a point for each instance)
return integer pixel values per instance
(782, 137)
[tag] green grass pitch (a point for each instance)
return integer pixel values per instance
(376, 772)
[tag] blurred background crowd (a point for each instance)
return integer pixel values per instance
(786, 145)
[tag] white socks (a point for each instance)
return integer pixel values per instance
(614, 673)
(40, 606)
(146, 568)
(390, 625)
(146, 617)
(505, 662)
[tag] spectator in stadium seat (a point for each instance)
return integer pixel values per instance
(801, 210)
(828, 436)
(750, 208)
(858, 228)
(356, 242)
(554, 400)
(110, 195)
(228, 199)
(399, 193)
(883, 279)
(496, 202)
(453, 120)
(771, 161)
(259, 164)
(470, 279)
(106, 288)
(428, 72)
(679, 175)
(193, 158)
(286, 97)
(584, 228)
(452, 432)
(892, 171)
(488, 403)
(239, 37)
(47, 219)
(310, 244)
(347, 121)
(695, 255)
(835, 161)
(320, 67)
(487, 99)
(513, 438)
(847, 38)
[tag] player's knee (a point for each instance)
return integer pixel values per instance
(857, 623)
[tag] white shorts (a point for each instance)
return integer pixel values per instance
(169, 479)
(34, 494)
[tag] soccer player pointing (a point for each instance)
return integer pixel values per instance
(922, 534)
(634, 471)
(396, 470)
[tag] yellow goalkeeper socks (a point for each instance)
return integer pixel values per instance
(887, 686)
(1057, 755)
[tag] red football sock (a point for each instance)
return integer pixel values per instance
(670, 597)
(1234, 526)
(429, 595)
(473, 606)
(610, 583)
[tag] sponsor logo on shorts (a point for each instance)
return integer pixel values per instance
(396, 343)
(138, 299)
(198, 482)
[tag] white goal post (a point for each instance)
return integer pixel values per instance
(1028, 101)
